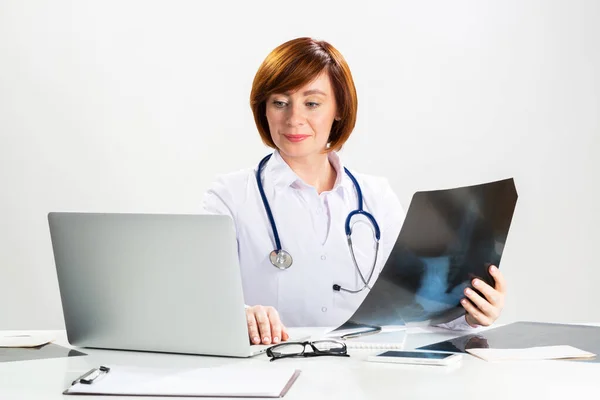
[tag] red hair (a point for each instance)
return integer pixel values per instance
(294, 64)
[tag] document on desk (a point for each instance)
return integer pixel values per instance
(382, 340)
(531, 353)
(225, 381)
(25, 340)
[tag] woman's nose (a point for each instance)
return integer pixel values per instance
(295, 116)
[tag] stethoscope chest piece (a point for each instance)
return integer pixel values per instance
(281, 259)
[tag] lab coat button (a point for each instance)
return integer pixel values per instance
(324, 309)
(323, 257)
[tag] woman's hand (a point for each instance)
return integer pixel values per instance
(484, 311)
(264, 325)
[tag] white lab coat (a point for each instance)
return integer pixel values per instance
(311, 229)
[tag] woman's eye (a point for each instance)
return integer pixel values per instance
(279, 104)
(312, 104)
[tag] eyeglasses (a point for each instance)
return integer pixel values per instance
(316, 348)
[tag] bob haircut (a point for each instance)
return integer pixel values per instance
(296, 63)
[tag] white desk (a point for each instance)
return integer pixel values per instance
(333, 377)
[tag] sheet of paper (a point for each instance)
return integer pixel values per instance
(531, 353)
(25, 340)
(249, 381)
(381, 340)
(393, 328)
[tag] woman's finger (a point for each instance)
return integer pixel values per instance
(482, 304)
(500, 282)
(475, 313)
(494, 297)
(284, 333)
(264, 325)
(253, 333)
(276, 325)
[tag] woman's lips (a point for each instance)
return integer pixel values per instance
(296, 138)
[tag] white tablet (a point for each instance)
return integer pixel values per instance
(416, 357)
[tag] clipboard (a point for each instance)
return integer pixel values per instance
(249, 380)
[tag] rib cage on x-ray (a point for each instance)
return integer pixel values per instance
(448, 237)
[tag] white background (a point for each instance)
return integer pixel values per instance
(136, 106)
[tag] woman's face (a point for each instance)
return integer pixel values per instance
(300, 121)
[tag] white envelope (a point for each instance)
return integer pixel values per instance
(531, 353)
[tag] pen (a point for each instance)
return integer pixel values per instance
(358, 334)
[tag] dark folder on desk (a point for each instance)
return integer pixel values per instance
(521, 335)
(448, 238)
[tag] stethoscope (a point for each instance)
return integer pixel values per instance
(282, 260)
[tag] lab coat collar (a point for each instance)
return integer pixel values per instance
(282, 176)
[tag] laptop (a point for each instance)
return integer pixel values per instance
(151, 282)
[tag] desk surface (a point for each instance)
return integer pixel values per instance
(332, 378)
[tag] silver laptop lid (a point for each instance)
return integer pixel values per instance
(168, 283)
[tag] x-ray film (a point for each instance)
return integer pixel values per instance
(448, 238)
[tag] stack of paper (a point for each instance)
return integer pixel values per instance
(25, 340)
(531, 353)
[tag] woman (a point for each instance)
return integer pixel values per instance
(304, 104)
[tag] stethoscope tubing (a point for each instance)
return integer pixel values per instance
(347, 228)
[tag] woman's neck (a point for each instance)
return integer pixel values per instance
(315, 170)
